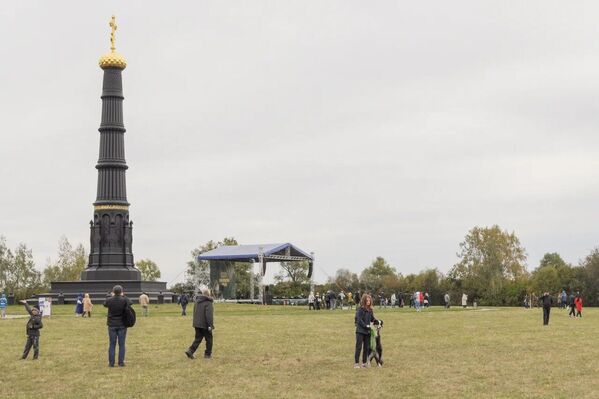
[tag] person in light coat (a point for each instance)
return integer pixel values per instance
(144, 302)
(87, 306)
(464, 300)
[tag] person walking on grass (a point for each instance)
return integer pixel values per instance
(183, 301)
(144, 302)
(203, 323)
(547, 301)
(79, 306)
(87, 306)
(564, 297)
(311, 298)
(3, 303)
(447, 300)
(34, 325)
(464, 300)
(363, 320)
(350, 300)
(578, 302)
(572, 303)
(117, 331)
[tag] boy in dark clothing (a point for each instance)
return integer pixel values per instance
(34, 324)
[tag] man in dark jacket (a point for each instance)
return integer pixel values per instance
(203, 322)
(34, 324)
(117, 331)
(547, 301)
(183, 301)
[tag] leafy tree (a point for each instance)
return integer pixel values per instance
(591, 277)
(552, 275)
(180, 288)
(6, 261)
(198, 272)
(22, 278)
(345, 280)
(292, 280)
(149, 270)
(69, 264)
(489, 259)
(552, 259)
(372, 278)
(296, 272)
(545, 279)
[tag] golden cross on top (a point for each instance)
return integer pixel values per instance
(112, 24)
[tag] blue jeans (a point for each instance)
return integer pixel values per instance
(114, 334)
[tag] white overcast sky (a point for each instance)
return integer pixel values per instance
(352, 129)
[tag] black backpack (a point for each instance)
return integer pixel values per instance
(129, 316)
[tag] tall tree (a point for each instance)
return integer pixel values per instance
(149, 269)
(373, 277)
(6, 261)
(552, 275)
(552, 259)
(292, 280)
(198, 272)
(22, 278)
(69, 263)
(345, 280)
(489, 259)
(296, 272)
(590, 266)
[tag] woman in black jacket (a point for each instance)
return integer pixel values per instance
(364, 317)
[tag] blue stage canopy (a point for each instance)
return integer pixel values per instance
(256, 253)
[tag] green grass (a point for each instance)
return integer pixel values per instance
(275, 352)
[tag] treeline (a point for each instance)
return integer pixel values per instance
(491, 269)
(19, 275)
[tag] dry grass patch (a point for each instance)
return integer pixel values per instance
(274, 352)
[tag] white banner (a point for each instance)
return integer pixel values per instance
(48, 307)
(45, 305)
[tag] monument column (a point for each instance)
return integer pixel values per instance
(111, 255)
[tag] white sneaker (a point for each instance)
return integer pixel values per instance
(357, 365)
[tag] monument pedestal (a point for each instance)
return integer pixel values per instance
(98, 290)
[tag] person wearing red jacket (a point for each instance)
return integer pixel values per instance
(578, 303)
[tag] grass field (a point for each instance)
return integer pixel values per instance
(288, 352)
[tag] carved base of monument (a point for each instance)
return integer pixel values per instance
(111, 273)
(98, 290)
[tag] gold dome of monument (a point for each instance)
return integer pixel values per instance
(112, 59)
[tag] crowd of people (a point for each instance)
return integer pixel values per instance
(418, 300)
(121, 316)
(119, 307)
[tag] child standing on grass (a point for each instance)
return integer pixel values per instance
(364, 318)
(3, 306)
(34, 324)
(87, 306)
(578, 302)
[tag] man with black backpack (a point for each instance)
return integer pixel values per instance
(120, 316)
